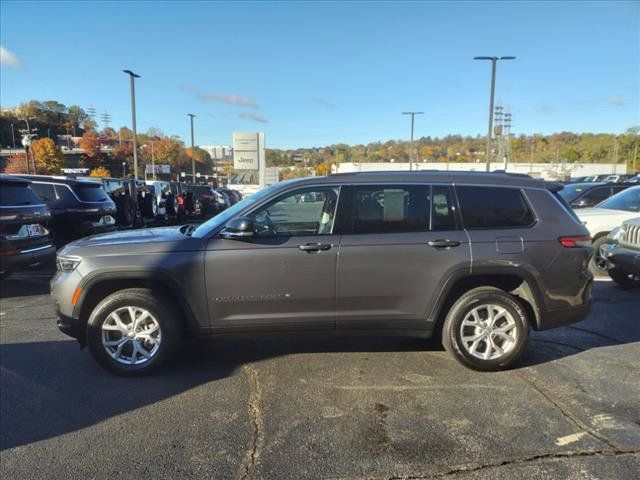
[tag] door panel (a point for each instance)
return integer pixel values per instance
(391, 280)
(285, 274)
(272, 282)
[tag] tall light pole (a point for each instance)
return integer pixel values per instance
(193, 150)
(494, 60)
(413, 115)
(132, 77)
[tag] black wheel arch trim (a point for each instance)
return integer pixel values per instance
(156, 275)
(534, 291)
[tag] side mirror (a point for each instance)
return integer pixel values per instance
(239, 228)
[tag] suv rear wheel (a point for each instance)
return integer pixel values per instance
(132, 332)
(486, 329)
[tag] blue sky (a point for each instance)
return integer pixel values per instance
(320, 73)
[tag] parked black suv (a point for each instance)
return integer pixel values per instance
(24, 236)
(483, 258)
(79, 207)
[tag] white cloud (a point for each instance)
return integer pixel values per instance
(616, 101)
(325, 103)
(228, 98)
(256, 117)
(9, 59)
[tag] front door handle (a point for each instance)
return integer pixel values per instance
(314, 247)
(442, 243)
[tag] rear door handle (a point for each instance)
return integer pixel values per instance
(441, 243)
(314, 247)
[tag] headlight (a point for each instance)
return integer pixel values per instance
(67, 264)
(616, 234)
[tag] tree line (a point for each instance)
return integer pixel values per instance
(103, 150)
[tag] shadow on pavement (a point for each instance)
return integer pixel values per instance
(67, 391)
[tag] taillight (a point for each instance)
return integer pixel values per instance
(581, 241)
(8, 253)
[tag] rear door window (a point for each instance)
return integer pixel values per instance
(594, 196)
(391, 208)
(494, 207)
(442, 208)
(45, 191)
(18, 194)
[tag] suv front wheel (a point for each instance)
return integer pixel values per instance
(132, 332)
(486, 329)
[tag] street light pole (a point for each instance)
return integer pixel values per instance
(193, 150)
(494, 60)
(411, 157)
(132, 77)
(13, 137)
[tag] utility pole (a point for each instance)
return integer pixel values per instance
(412, 155)
(635, 156)
(193, 150)
(494, 60)
(13, 137)
(132, 77)
(615, 156)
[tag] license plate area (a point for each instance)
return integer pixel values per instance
(29, 231)
(104, 221)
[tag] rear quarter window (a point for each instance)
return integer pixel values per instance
(494, 207)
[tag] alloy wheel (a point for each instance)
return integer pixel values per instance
(131, 335)
(488, 332)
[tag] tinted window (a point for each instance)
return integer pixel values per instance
(45, 191)
(307, 212)
(12, 194)
(391, 209)
(88, 192)
(493, 207)
(442, 209)
(628, 200)
(571, 192)
(594, 196)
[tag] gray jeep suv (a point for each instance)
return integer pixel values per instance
(479, 258)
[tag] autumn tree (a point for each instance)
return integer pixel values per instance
(90, 144)
(99, 172)
(48, 157)
(17, 163)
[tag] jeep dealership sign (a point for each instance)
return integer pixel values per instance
(248, 150)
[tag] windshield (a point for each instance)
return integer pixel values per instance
(628, 200)
(222, 218)
(571, 192)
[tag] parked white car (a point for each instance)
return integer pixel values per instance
(606, 216)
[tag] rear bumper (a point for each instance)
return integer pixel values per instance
(28, 256)
(566, 316)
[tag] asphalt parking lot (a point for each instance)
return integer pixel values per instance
(321, 407)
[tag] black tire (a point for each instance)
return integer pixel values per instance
(150, 209)
(164, 314)
(622, 279)
(451, 330)
(598, 264)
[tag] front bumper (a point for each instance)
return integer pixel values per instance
(622, 258)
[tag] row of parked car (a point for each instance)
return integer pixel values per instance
(613, 178)
(39, 213)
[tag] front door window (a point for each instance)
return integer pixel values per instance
(301, 213)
